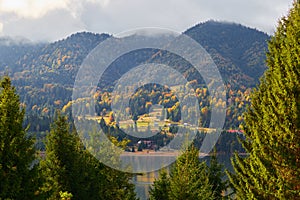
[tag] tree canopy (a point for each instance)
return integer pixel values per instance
(190, 178)
(18, 173)
(272, 122)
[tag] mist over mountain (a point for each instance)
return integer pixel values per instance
(238, 51)
(44, 74)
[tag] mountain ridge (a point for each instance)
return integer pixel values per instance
(44, 74)
(236, 37)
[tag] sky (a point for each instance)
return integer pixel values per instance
(51, 20)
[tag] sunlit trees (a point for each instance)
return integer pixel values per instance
(161, 187)
(216, 177)
(272, 123)
(188, 179)
(60, 167)
(69, 167)
(18, 173)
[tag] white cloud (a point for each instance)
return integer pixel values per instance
(53, 19)
(38, 8)
(31, 8)
(54, 25)
(1, 28)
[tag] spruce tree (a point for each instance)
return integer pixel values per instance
(18, 174)
(189, 177)
(272, 122)
(70, 168)
(161, 187)
(216, 177)
(62, 154)
(67, 167)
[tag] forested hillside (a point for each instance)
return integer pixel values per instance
(238, 51)
(125, 137)
(44, 73)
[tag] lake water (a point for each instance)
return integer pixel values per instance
(143, 182)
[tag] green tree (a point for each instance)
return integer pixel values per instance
(111, 183)
(65, 195)
(182, 174)
(18, 174)
(216, 177)
(189, 179)
(62, 155)
(272, 122)
(69, 167)
(161, 187)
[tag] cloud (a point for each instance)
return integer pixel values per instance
(1, 27)
(54, 25)
(119, 15)
(53, 19)
(31, 8)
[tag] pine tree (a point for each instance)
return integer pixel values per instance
(61, 156)
(111, 183)
(188, 179)
(161, 187)
(70, 168)
(67, 167)
(18, 174)
(216, 177)
(272, 123)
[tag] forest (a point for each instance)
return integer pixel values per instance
(43, 156)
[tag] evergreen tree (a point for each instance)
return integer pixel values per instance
(62, 155)
(272, 122)
(189, 179)
(161, 187)
(111, 183)
(69, 168)
(18, 174)
(216, 177)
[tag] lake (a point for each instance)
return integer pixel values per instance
(146, 162)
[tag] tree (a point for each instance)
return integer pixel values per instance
(272, 122)
(111, 183)
(62, 156)
(216, 177)
(161, 187)
(188, 179)
(70, 168)
(18, 174)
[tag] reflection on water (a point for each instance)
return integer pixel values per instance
(143, 182)
(141, 163)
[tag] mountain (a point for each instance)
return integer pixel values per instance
(12, 50)
(238, 51)
(44, 73)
